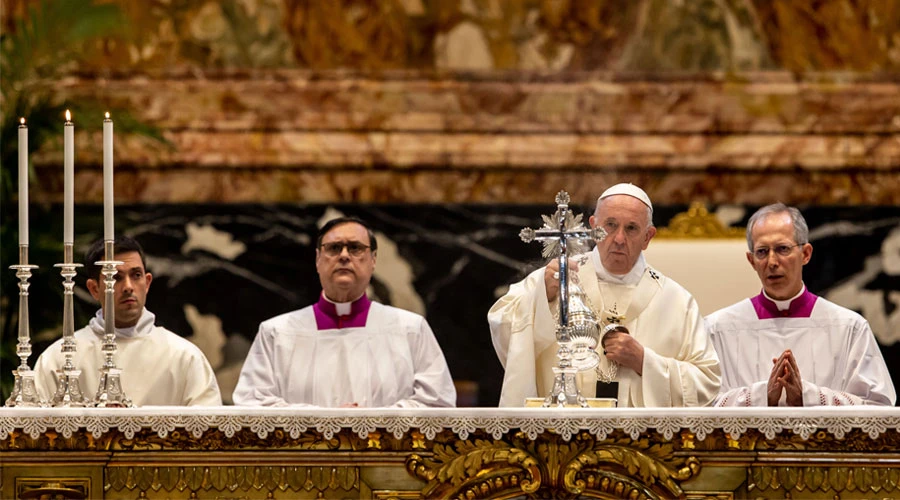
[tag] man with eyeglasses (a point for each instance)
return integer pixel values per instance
(786, 346)
(345, 350)
(661, 348)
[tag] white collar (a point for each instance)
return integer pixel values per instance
(341, 308)
(784, 305)
(143, 327)
(630, 278)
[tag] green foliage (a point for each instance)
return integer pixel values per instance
(34, 56)
(44, 46)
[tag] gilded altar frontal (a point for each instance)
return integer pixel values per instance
(221, 137)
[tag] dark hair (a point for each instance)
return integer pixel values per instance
(121, 244)
(373, 244)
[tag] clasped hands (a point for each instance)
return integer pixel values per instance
(785, 378)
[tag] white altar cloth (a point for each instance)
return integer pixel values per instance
(462, 421)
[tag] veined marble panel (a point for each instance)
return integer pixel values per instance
(414, 137)
(219, 270)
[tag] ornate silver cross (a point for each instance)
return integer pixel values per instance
(561, 234)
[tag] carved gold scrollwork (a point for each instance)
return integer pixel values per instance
(697, 222)
(879, 481)
(553, 467)
(640, 465)
(483, 466)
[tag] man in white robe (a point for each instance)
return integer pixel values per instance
(665, 360)
(159, 368)
(345, 350)
(786, 346)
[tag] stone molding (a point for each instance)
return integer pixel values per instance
(298, 136)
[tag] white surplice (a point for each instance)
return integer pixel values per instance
(159, 368)
(680, 365)
(392, 361)
(837, 355)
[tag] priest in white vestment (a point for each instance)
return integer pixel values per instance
(665, 360)
(345, 350)
(159, 368)
(786, 346)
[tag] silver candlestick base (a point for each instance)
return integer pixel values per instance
(24, 393)
(68, 383)
(68, 390)
(109, 392)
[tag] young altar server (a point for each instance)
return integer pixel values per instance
(159, 368)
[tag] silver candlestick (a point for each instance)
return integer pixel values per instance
(68, 383)
(24, 393)
(561, 231)
(109, 392)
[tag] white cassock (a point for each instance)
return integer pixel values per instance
(837, 355)
(159, 368)
(680, 365)
(392, 359)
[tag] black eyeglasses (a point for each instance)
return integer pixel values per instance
(335, 248)
(762, 253)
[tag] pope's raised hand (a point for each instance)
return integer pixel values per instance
(551, 277)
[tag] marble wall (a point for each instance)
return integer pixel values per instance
(221, 269)
(453, 35)
(485, 138)
(472, 101)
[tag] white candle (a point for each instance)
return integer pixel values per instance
(23, 183)
(108, 226)
(69, 180)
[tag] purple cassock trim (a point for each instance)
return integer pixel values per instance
(801, 307)
(328, 319)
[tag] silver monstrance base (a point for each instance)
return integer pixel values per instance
(565, 391)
